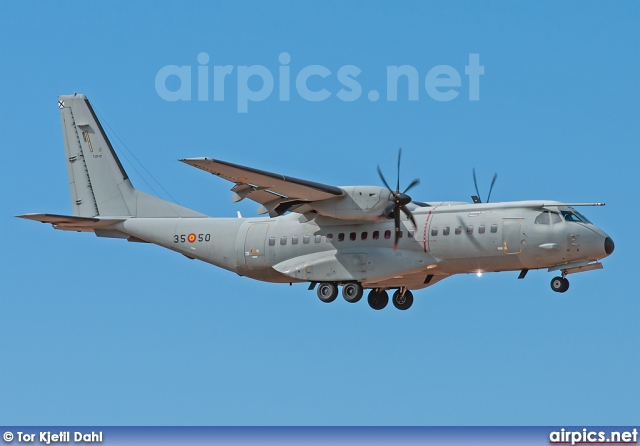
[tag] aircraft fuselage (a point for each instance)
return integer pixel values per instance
(449, 239)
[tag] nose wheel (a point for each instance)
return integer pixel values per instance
(559, 284)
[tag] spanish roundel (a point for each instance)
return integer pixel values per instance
(191, 238)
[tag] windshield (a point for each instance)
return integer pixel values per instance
(582, 217)
(574, 216)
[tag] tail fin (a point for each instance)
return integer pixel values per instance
(99, 184)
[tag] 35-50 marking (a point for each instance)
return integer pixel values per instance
(191, 238)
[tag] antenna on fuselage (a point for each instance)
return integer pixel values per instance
(476, 198)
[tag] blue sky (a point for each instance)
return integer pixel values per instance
(105, 332)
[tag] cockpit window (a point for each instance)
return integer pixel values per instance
(555, 218)
(543, 218)
(582, 217)
(574, 216)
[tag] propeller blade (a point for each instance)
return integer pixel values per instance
(383, 180)
(408, 213)
(398, 183)
(388, 209)
(495, 177)
(413, 183)
(475, 183)
(396, 218)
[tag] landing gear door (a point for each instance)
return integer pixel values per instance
(254, 245)
(511, 236)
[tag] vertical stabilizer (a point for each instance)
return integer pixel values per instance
(99, 184)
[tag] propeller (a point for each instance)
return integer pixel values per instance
(399, 201)
(476, 198)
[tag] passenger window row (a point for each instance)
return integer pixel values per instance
(458, 230)
(353, 236)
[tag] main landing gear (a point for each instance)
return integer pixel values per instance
(352, 292)
(559, 284)
(378, 299)
(402, 299)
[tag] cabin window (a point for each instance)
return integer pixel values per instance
(387, 234)
(470, 229)
(481, 229)
(283, 240)
(494, 228)
(434, 232)
(445, 231)
(376, 235)
(458, 230)
(555, 218)
(329, 237)
(353, 236)
(305, 239)
(364, 235)
(341, 237)
(400, 233)
(294, 240)
(272, 241)
(411, 234)
(318, 238)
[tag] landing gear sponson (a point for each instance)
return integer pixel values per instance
(352, 292)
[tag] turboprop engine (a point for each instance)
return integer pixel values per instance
(360, 203)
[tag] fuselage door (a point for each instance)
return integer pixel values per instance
(512, 236)
(254, 245)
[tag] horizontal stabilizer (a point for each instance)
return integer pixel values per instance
(72, 223)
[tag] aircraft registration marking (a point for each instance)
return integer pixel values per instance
(191, 238)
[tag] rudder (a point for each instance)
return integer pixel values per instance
(98, 183)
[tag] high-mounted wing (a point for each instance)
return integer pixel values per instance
(276, 193)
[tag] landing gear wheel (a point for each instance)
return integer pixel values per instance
(327, 292)
(378, 299)
(559, 284)
(402, 301)
(352, 292)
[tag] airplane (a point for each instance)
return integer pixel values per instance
(355, 237)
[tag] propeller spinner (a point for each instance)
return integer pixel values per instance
(399, 201)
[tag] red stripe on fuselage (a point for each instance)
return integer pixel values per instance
(426, 223)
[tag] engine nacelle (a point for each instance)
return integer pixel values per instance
(358, 203)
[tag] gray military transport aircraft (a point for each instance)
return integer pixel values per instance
(357, 237)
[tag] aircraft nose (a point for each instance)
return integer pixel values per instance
(608, 245)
